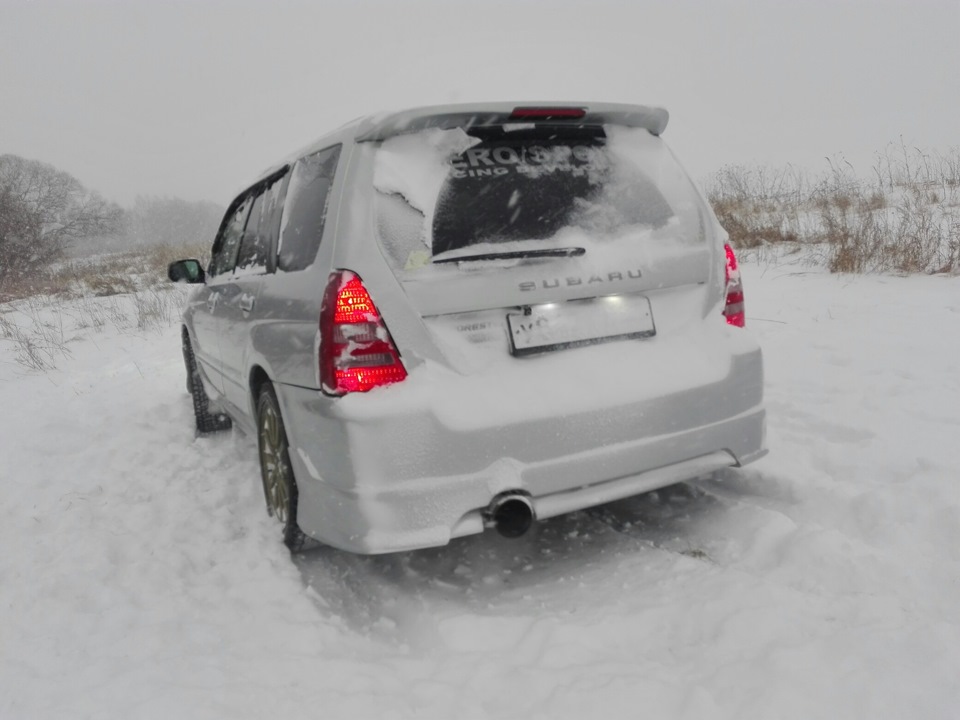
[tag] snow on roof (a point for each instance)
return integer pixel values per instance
(380, 126)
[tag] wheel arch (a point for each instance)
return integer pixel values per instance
(257, 378)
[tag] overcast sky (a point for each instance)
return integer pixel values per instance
(194, 98)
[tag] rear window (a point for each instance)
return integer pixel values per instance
(449, 195)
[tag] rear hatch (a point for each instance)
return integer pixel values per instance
(540, 234)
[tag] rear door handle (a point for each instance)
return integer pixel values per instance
(247, 302)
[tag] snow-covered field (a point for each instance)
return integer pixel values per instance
(141, 578)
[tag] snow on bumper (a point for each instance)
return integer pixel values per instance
(395, 475)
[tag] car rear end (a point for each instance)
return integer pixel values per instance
(528, 302)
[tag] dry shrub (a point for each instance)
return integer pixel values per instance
(748, 229)
(110, 284)
(157, 307)
(906, 220)
(914, 231)
(18, 288)
(876, 200)
(40, 328)
(758, 206)
(102, 275)
(160, 256)
(38, 333)
(128, 291)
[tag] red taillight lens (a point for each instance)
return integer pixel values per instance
(733, 308)
(356, 351)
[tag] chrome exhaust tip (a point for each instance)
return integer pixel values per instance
(511, 513)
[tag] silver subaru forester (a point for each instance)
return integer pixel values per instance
(469, 316)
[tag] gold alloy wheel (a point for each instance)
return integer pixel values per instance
(273, 461)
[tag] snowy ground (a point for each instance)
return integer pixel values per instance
(141, 578)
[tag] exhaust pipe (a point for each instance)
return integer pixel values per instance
(511, 514)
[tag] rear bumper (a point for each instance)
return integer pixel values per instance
(405, 479)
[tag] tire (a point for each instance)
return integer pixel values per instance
(208, 421)
(279, 485)
(187, 359)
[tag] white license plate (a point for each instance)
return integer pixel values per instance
(555, 326)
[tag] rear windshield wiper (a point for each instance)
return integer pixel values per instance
(515, 255)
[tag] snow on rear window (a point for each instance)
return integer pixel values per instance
(415, 166)
(445, 194)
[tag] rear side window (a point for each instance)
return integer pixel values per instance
(305, 210)
(263, 226)
(253, 254)
(272, 213)
(224, 254)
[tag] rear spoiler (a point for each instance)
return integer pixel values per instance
(446, 117)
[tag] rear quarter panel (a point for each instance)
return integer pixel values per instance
(285, 336)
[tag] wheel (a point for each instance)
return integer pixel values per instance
(279, 485)
(208, 421)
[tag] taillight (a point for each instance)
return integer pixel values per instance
(356, 351)
(733, 308)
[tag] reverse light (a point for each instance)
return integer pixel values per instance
(357, 353)
(733, 308)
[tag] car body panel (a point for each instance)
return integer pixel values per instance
(237, 293)
(199, 316)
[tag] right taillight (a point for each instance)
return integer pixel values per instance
(356, 351)
(733, 306)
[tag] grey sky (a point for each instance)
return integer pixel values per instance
(195, 98)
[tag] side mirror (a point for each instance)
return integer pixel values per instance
(188, 271)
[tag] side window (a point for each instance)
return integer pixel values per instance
(306, 209)
(225, 247)
(253, 254)
(270, 218)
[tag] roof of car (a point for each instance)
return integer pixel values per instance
(380, 126)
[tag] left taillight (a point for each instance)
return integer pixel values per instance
(357, 353)
(733, 308)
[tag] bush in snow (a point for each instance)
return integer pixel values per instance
(905, 219)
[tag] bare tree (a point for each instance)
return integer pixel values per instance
(42, 211)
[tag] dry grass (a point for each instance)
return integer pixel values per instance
(125, 292)
(157, 307)
(103, 275)
(759, 206)
(41, 328)
(905, 219)
(38, 334)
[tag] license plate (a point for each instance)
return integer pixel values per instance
(554, 326)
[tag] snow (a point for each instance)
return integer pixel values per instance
(501, 389)
(415, 166)
(140, 576)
